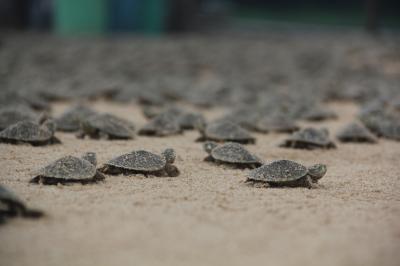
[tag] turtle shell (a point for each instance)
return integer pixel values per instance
(279, 172)
(245, 117)
(69, 167)
(233, 153)
(319, 113)
(26, 131)
(139, 161)
(357, 133)
(111, 125)
(162, 125)
(227, 131)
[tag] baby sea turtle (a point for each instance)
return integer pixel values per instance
(309, 138)
(385, 125)
(244, 116)
(11, 206)
(319, 113)
(231, 153)
(164, 124)
(143, 162)
(191, 120)
(30, 132)
(355, 132)
(223, 131)
(106, 126)
(276, 123)
(288, 173)
(70, 121)
(186, 119)
(70, 169)
(151, 111)
(10, 115)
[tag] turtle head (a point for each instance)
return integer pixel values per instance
(169, 155)
(317, 171)
(200, 125)
(50, 125)
(90, 157)
(45, 120)
(43, 117)
(325, 131)
(209, 146)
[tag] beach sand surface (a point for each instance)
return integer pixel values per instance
(207, 215)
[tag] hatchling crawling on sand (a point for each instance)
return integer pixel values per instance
(186, 120)
(70, 169)
(356, 132)
(309, 138)
(164, 124)
(70, 121)
(224, 131)
(231, 153)
(11, 206)
(143, 162)
(36, 134)
(106, 126)
(285, 173)
(276, 123)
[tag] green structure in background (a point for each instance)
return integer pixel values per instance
(80, 16)
(94, 16)
(153, 16)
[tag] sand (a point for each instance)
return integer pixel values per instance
(208, 215)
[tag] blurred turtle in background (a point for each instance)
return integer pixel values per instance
(106, 126)
(11, 206)
(231, 153)
(309, 138)
(36, 134)
(225, 131)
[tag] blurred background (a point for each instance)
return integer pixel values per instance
(67, 17)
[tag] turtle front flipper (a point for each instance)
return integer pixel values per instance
(32, 213)
(55, 140)
(99, 177)
(308, 182)
(81, 134)
(108, 170)
(172, 170)
(209, 158)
